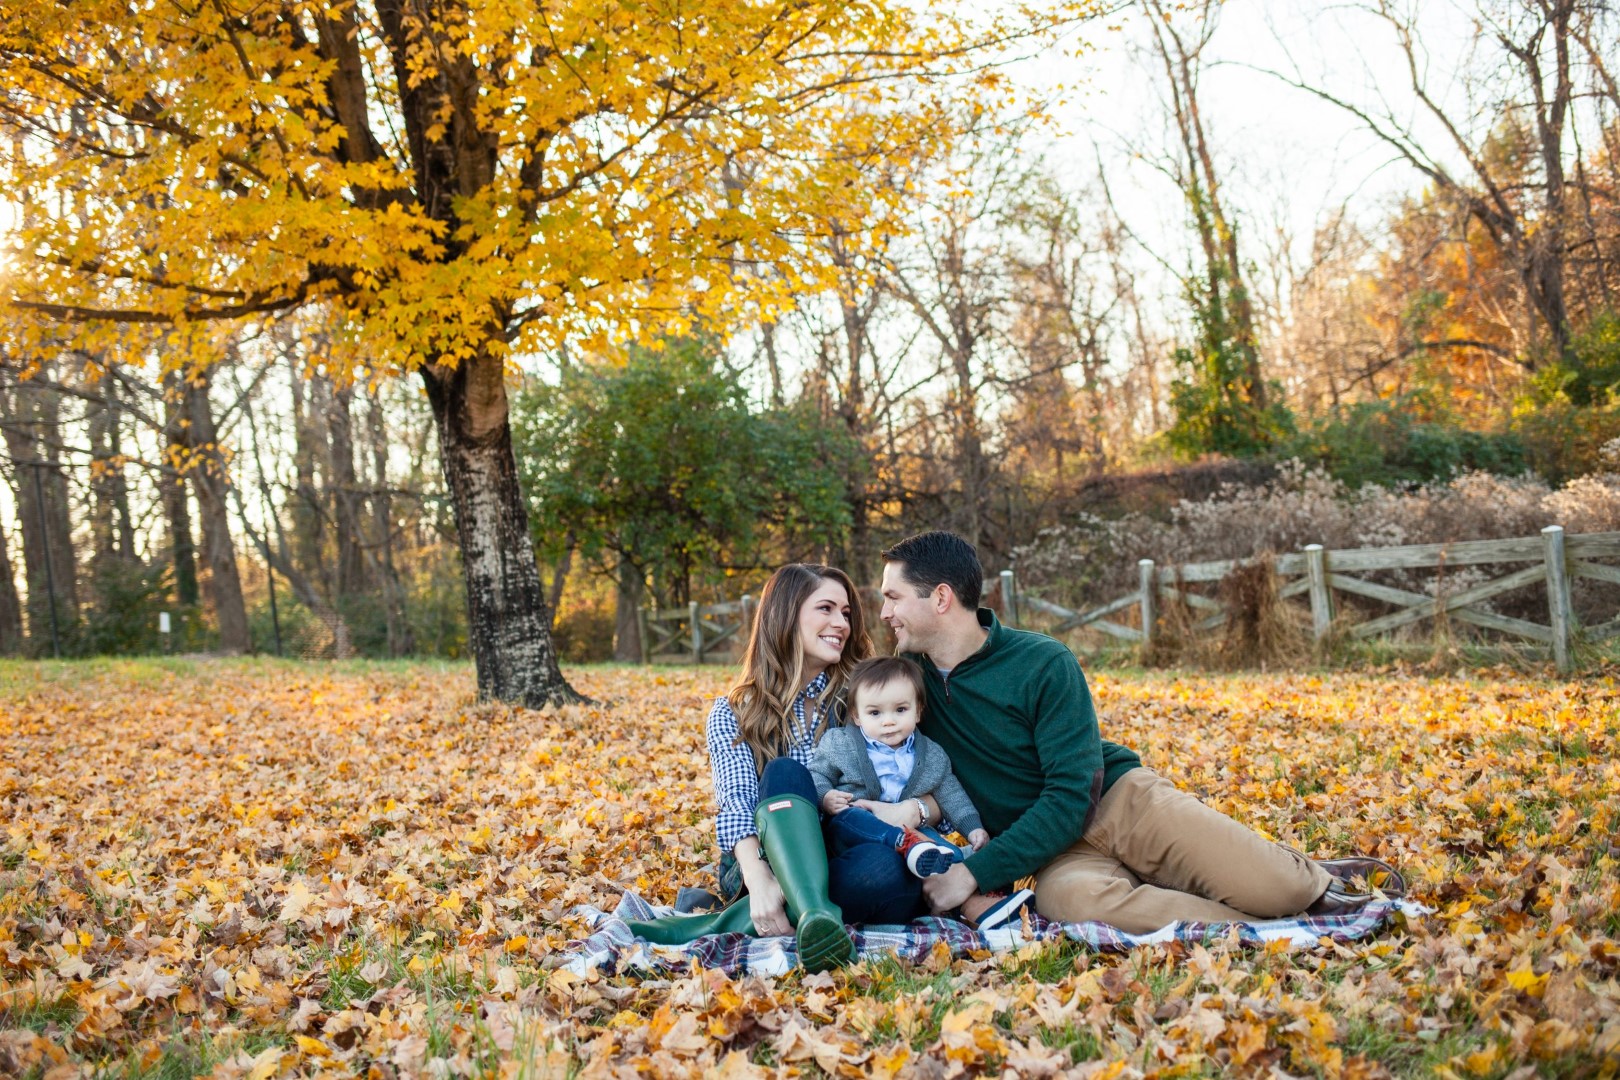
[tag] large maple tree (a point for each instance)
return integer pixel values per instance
(449, 184)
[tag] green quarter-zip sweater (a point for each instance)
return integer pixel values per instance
(1017, 721)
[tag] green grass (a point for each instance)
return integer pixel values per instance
(1082, 1043)
(183, 1060)
(1054, 962)
(38, 1017)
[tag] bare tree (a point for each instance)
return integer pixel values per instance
(1525, 83)
(1180, 51)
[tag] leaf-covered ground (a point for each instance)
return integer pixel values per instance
(255, 869)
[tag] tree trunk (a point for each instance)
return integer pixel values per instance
(11, 622)
(176, 507)
(351, 567)
(1548, 241)
(401, 640)
(49, 563)
(305, 507)
(212, 483)
(508, 623)
(118, 490)
(628, 598)
(104, 471)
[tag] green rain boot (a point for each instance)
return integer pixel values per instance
(790, 836)
(679, 929)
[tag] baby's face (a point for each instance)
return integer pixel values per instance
(888, 713)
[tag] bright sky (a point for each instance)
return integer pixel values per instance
(1286, 158)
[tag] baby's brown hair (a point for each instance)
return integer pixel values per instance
(880, 671)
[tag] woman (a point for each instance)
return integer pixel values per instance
(809, 632)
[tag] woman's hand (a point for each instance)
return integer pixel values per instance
(767, 907)
(901, 815)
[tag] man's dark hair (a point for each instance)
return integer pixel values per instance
(877, 671)
(940, 558)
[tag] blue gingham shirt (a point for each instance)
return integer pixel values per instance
(893, 764)
(736, 783)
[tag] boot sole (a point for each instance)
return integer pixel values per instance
(823, 943)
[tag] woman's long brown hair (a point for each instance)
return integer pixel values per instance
(773, 663)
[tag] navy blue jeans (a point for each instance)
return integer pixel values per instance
(864, 878)
(857, 826)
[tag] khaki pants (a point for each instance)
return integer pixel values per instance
(1155, 855)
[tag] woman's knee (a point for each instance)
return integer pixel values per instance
(785, 776)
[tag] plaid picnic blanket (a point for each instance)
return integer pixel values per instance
(611, 948)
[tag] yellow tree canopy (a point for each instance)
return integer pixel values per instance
(452, 178)
(450, 182)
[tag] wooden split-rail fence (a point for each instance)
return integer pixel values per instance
(1551, 559)
(707, 633)
(695, 634)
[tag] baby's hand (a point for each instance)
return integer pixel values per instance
(836, 802)
(977, 839)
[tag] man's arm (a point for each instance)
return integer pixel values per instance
(1069, 755)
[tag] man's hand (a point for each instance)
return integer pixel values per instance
(836, 802)
(948, 890)
(977, 839)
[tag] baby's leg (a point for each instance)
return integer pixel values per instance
(858, 826)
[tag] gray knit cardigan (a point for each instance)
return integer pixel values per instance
(840, 761)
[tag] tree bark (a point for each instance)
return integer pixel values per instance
(628, 598)
(401, 640)
(11, 622)
(305, 507)
(176, 506)
(508, 621)
(351, 566)
(50, 566)
(103, 470)
(123, 519)
(212, 483)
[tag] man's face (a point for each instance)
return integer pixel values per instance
(913, 618)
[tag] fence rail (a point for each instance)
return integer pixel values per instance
(694, 634)
(708, 633)
(1318, 573)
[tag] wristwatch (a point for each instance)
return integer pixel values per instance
(922, 812)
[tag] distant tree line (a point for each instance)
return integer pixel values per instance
(967, 338)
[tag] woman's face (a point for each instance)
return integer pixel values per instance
(824, 627)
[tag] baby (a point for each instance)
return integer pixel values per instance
(882, 758)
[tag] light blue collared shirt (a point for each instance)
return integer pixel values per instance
(892, 765)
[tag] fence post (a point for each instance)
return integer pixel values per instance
(746, 630)
(1144, 569)
(1558, 604)
(1009, 598)
(644, 633)
(697, 631)
(1321, 596)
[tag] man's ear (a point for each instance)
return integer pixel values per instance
(944, 598)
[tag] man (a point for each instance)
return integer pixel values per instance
(1105, 837)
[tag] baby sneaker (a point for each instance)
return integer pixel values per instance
(925, 857)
